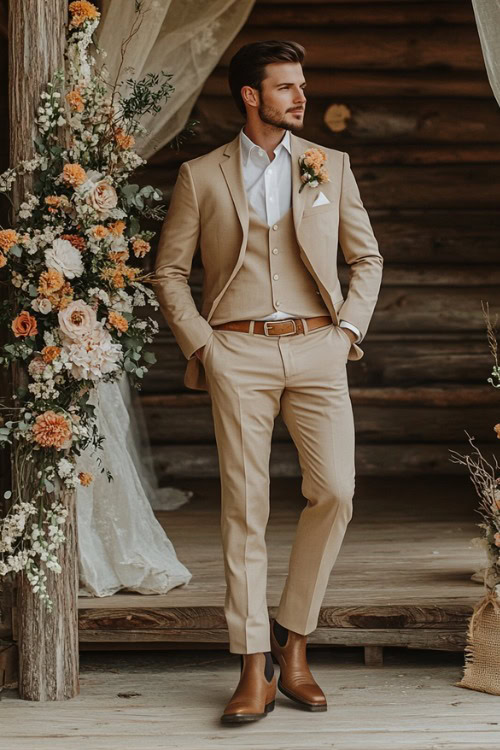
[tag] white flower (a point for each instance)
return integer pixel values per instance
(64, 467)
(93, 356)
(42, 305)
(77, 320)
(65, 258)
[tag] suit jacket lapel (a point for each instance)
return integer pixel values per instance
(298, 199)
(233, 174)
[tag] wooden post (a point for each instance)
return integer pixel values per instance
(48, 641)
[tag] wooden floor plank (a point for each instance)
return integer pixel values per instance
(173, 700)
(404, 570)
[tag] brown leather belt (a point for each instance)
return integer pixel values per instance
(286, 327)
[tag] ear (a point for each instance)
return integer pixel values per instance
(250, 96)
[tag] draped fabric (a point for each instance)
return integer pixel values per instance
(487, 13)
(185, 38)
(121, 543)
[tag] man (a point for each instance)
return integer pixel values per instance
(274, 335)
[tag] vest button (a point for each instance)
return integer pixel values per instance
(276, 277)
(277, 303)
(275, 251)
(275, 227)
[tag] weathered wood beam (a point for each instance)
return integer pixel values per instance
(300, 14)
(423, 396)
(454, 47)
(338, 121)
(435, 82)
(374, 459)
(48, 642)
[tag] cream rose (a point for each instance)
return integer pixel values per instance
(65, 258)
(102, 197)
(42, 305)
(77, 320)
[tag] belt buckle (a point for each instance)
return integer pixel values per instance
(273, 322)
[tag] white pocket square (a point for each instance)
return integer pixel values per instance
(320, 199)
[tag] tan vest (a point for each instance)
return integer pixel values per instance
(272, 277)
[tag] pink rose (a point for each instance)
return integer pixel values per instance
(102, 197)
(77, 320)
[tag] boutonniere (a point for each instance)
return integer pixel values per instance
(312, 170)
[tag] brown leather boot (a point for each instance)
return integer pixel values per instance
(254, 697)
(296, 680)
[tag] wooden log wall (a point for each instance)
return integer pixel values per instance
(401, 86)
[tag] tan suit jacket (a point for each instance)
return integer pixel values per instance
(209, 210)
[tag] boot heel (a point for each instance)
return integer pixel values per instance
(269, 707)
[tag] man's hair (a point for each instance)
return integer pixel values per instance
(247, 66)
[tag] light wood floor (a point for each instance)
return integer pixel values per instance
(166, 700)
(403, 576)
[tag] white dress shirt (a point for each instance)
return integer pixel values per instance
(269, 190)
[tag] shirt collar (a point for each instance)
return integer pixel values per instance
(247, 145)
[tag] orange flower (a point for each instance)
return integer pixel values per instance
(3, 260)
(8, 237)
(24, 325)
(51, 430)
(315, 158)
(75, 101)
(117, 227)
(50, 353)
(497, 430)
(140, 248)
(62, 298)
(56, 202)
(74, 175)
(50, 281)
(114, 276)
(75, 240)
(123, 139)
(85, 478)
(128, 272)
(117, 256)
(100, 231)
(117, 321)
(82, 11)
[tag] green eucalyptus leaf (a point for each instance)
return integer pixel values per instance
(129, 365)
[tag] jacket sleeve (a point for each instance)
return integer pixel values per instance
(360, 249)
(177, 245)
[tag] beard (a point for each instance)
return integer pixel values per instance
(273, 116)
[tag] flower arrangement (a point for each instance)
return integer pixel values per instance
(73, 293)
(486, 479)
(312, 168)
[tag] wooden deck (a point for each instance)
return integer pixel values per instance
(403, 577)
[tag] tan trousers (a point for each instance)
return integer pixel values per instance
(251, 378)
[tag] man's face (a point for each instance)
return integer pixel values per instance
(282, 101)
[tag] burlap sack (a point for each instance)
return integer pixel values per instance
(482, 652)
